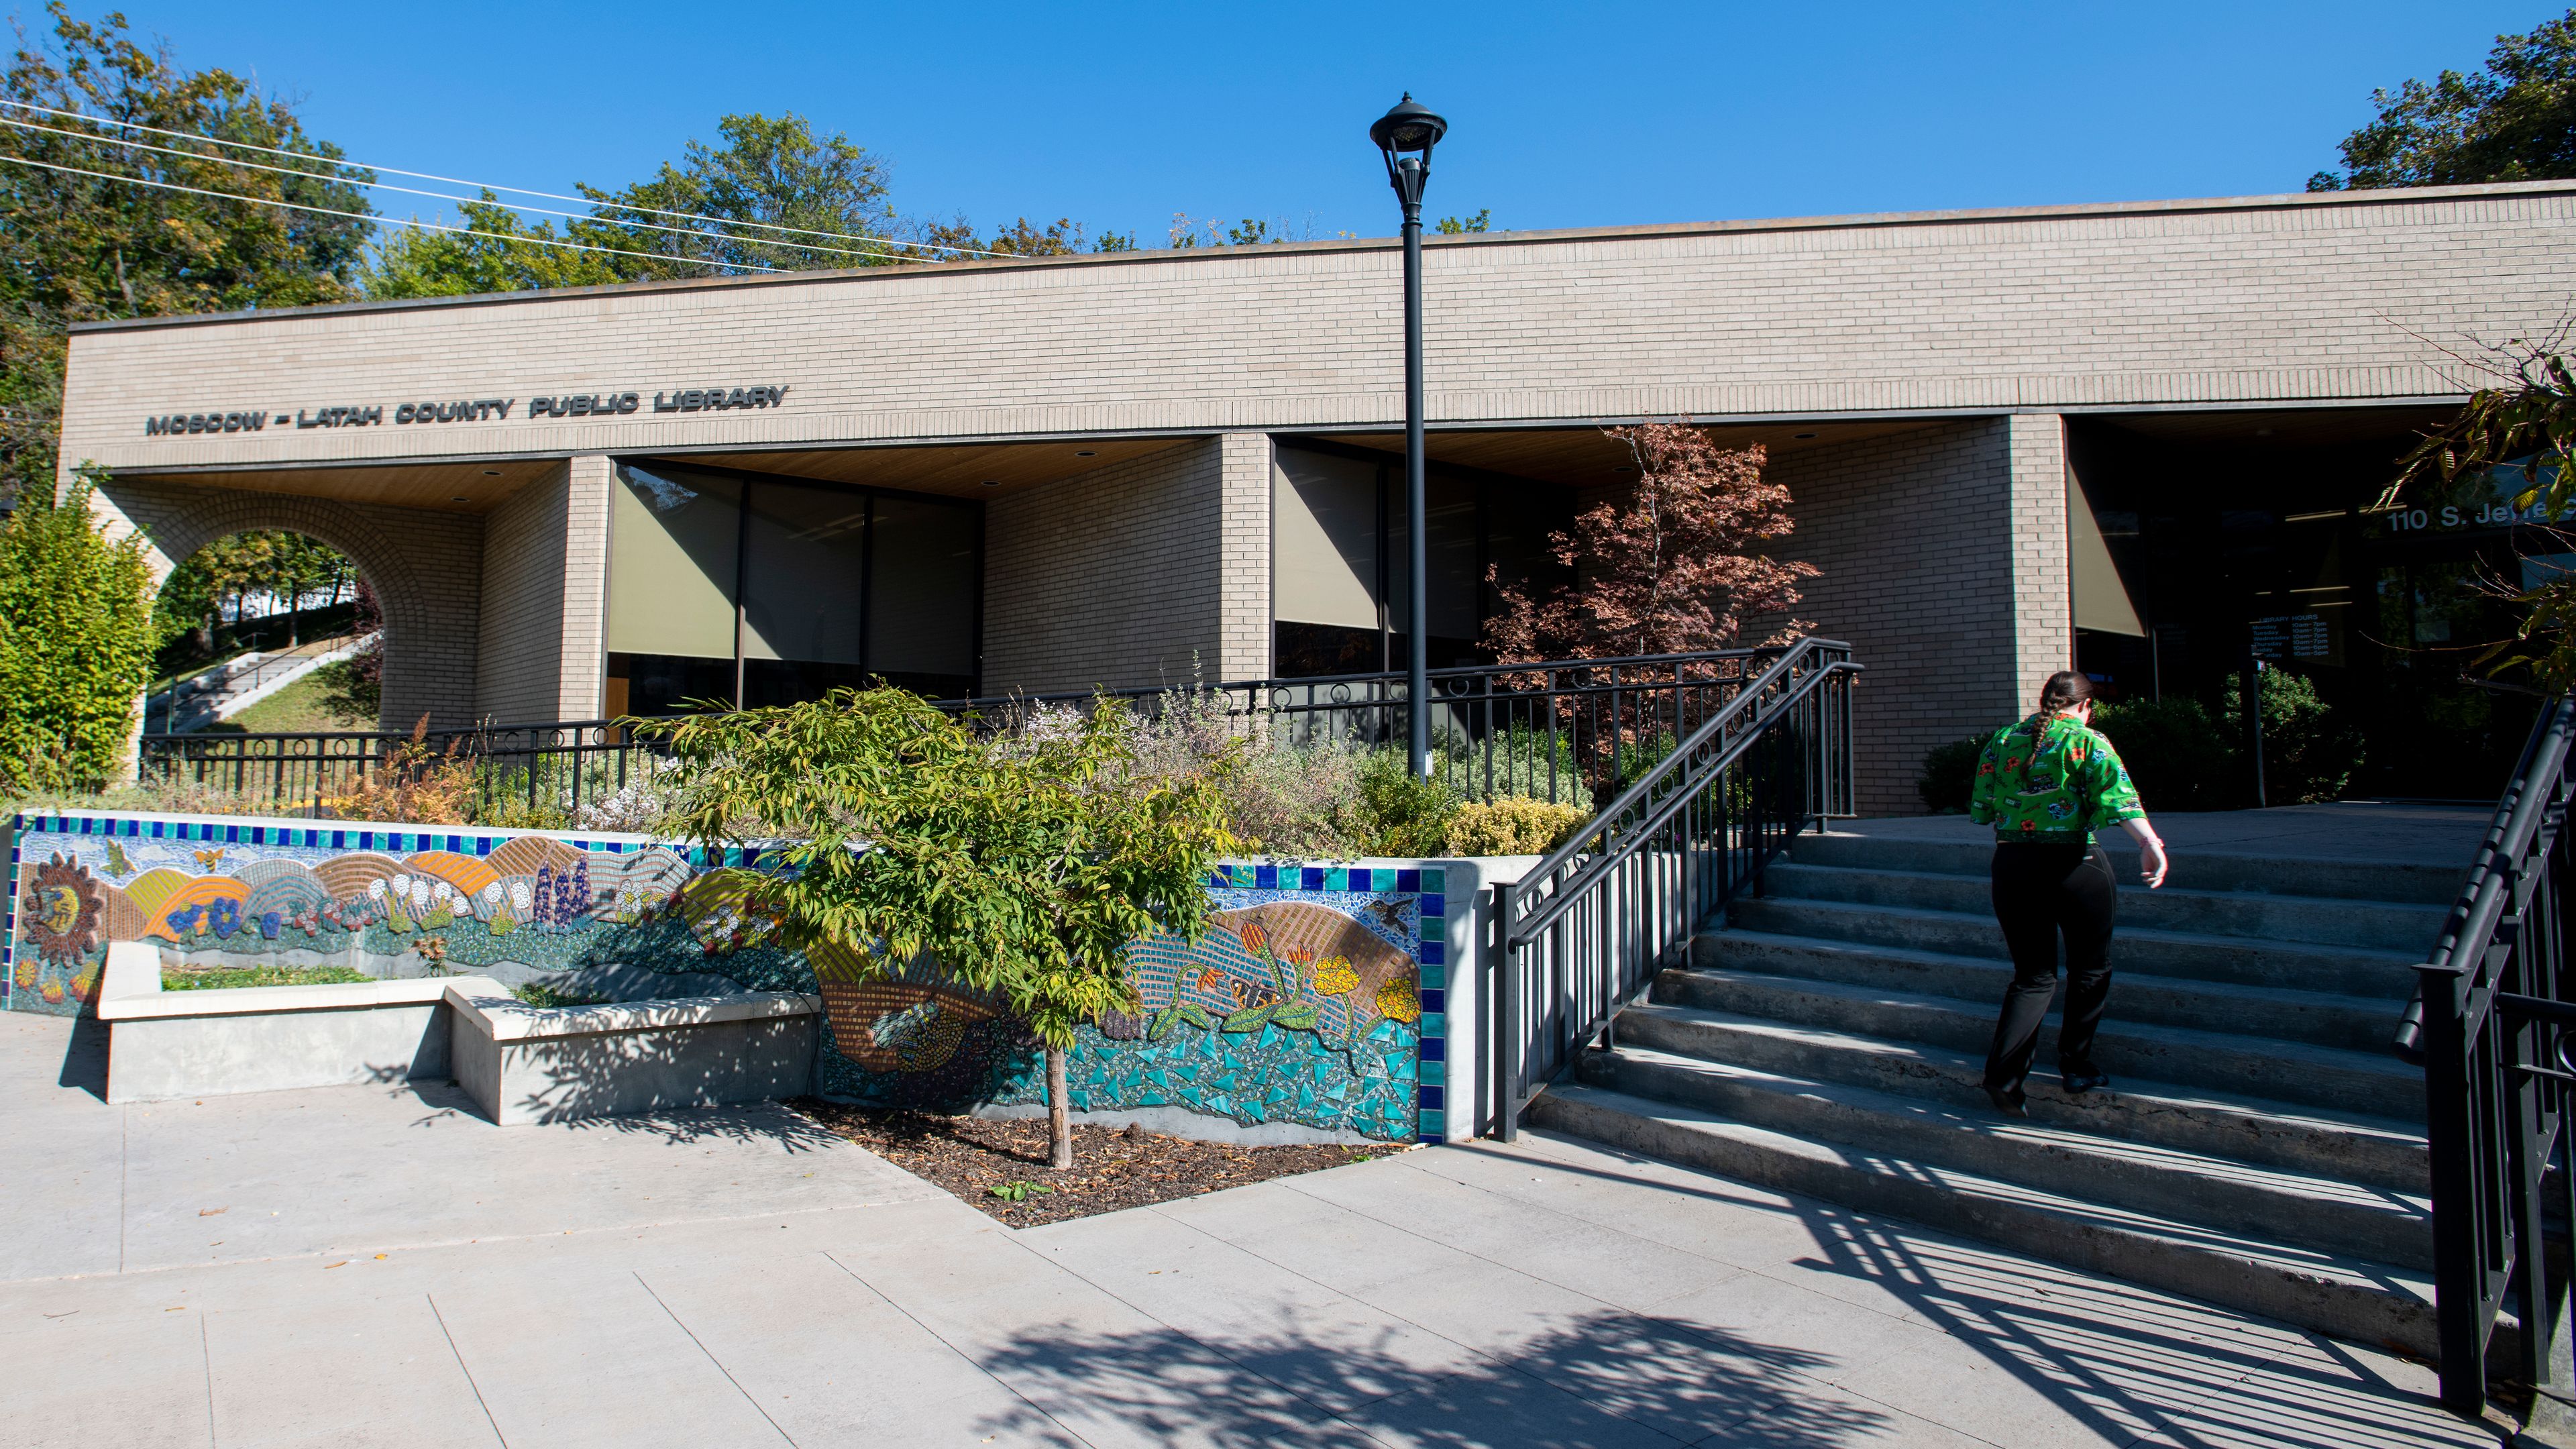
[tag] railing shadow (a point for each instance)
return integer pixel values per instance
(2128, 1363)
(1285, 1383)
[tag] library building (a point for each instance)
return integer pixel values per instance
(2141, 439)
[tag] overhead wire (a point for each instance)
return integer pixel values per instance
(439, 195)
(365, 216)
(513, 190)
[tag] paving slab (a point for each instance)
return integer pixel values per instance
(712, 1280)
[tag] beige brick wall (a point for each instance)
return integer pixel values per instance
(1243, 585)
(2043, 579)
(589, 481)
(2249, 300)
(1923, 573)
(519, 658)
(1113, 578)
(425, 567)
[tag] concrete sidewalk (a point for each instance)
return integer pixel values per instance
(374, 1266)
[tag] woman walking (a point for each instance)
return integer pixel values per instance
(2046, 784)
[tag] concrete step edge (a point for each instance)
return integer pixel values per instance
(2376, 955)
(2343, 1297)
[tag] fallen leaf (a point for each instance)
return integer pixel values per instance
(66, 1313)
(343, 1263)
(380, 1256)
(210, 1212)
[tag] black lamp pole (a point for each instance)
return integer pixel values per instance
(1405, 136)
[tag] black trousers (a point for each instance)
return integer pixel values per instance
(2042, 892)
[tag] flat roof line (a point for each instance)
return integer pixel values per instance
(2296, 200)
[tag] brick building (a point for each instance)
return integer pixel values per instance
(2138, 434)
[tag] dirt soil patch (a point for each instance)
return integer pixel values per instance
(1113, 1167)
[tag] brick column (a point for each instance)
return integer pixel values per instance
(591, 481)
(2043, 597)
(1243, 585)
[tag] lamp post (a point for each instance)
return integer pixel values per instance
(1405, 136)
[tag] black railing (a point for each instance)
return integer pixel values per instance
(1577, 730)
(2494, 1024)
(1586, 930)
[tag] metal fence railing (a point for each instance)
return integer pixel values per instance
(1585, 931)
(2494, 1024)
(1576, 730)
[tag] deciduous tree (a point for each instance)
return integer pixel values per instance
(76, 642)
(2514, 119)
(1680, 564)
(1017, 873)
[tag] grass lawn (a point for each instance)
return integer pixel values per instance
(212, 978)
(296, 709)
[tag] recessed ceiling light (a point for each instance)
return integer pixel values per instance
(1802, 435)
(491, 472)
(1085, 453)
(992, 482)
(459, 498)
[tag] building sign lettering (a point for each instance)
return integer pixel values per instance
(471, 410)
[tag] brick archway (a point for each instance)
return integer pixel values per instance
(425, 569)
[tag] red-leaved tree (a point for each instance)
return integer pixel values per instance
(1675, 567)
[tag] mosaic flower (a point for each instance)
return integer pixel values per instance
(52, 991)
(1397, 1000)
(62, 911)
(81, 984)
(376, 889)
(1255, 939)
(521, 897)
(25, 975)
(1336, 976)
(490, 895)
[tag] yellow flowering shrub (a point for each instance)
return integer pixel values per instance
(1513, 825)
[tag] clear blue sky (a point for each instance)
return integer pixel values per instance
(1561, 115)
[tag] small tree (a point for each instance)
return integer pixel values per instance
(2520, 427)
(1676, 566)
(76, 642)
(1019, 873)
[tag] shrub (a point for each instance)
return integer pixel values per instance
(1513, 825)
(2308, 753)
(1949, 775)
(1400, 814)
(1524, 761)
(76, 643)
(2178, 756)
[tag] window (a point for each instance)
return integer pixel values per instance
(756, 590)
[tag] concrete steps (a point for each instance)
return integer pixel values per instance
(2260, 1146)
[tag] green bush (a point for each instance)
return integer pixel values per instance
(2178, 756)
(1399, 814)
(2308, 753)
(1949, 775)
(218, 978)
(76, 643)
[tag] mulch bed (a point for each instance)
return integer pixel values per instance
(1113, 1168)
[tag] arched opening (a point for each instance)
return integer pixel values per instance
(269, 631)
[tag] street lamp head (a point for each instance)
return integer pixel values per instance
(1409, 126)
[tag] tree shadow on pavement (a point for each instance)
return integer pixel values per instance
(1615, 1378)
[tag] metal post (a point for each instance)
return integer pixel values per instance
(1506, 1017)
(1411, 172)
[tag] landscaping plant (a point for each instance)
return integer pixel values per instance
(1513, 825)
(1017, 872)
(76, 642)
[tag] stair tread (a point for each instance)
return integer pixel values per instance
(2338, 1268)
(1934, 1116)
(2163, 1094)
(1951, 960)
(2341, 1057)
(2385, 954)
(2431, 913)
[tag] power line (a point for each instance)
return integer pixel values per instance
(434, 195)
(363, 216)
(460, 181)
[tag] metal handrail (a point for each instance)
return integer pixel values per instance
(1681, 805)
(2494, 1023)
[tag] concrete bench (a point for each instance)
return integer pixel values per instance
(518, 1063)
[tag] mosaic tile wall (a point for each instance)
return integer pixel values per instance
(1315, 998)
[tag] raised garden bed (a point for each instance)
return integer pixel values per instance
(1114, 1167)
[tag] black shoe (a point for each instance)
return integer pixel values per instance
(2078, 1083)
(2009, 1100)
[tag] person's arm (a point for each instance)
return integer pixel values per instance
(2117, 803)
(2151, 850)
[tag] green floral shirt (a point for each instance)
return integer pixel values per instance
(2055, 781)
